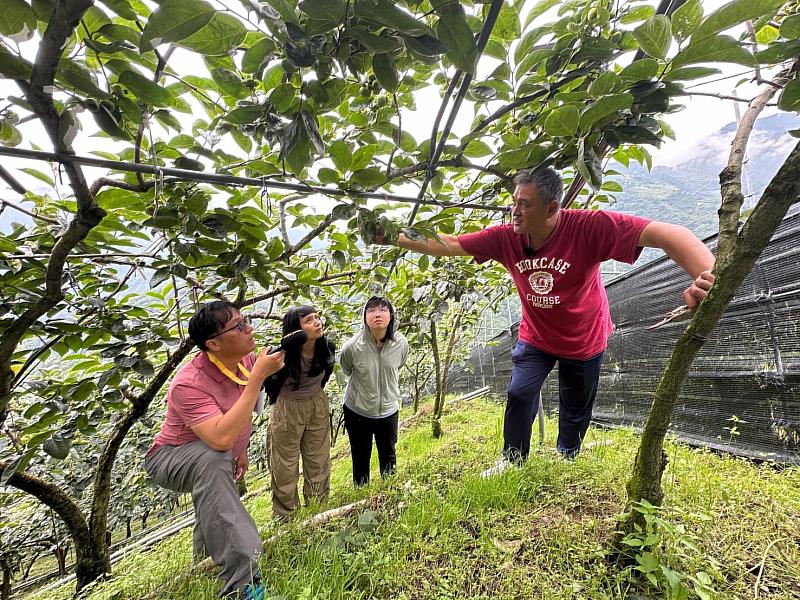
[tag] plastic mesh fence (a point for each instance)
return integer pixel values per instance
(743, 392)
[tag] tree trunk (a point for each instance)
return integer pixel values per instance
(5, 592)
(89, 563)
(98, 520)
(61, 559)
(437, 370)
(448, 354)
(730, 271)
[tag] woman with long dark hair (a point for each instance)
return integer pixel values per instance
(299, 423)
(372, 359)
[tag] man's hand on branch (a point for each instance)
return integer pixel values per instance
(695, 293)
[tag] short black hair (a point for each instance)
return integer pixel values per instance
(209, 320)
(382, 301)
(548, 183)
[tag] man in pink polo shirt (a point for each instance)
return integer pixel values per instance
(554, 257)
(202, 445)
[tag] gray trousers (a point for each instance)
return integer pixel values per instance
(223, 527)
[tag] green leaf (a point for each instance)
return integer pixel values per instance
(425, 45)
(735, 13)
(477, 149)
(507, 26)
(285, 10)
(604, 107)
(376, 43)
(689, 73)
(323, 9)
(328, 176)
(123, 8)
(790, 27)
(256, 56)
(454, 32)
(562, 121)
(18, 465)
(342, 155)
(57, 447)
(79, 78)
(362, 157)
(789, 99)
(230, 83)
(654, 36)
(17, 20)
(634, 14)
(13, 67)
(190, 164)
(145, 90)
(9, 135)
(645, 68)
(386, 13)
(175, 20)
(686, 19)
(38, 174)
(223, 34)
(283, 96)
(716, 48)
(539, 9)
(589, 165)
(607, 83)
(778, 52)
(368, 177)
(385, 71)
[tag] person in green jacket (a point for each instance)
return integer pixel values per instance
(372, 359)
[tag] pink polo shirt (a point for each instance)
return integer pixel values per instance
(198, 392)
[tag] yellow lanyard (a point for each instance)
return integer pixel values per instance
(227, 372)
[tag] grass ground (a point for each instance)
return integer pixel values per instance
(437, 530)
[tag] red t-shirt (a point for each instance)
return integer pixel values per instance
(198, 392)
(564, 306)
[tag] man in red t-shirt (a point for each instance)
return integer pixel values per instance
(202, 445)
(554, 256)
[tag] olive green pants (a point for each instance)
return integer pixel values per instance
(299, 428)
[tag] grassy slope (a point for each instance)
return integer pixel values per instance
(541, 531)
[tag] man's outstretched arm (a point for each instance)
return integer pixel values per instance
(682, 246)
(449, 246)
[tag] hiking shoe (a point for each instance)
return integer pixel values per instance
(253, 591)
(501, 465)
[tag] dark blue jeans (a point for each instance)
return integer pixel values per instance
(577, 388)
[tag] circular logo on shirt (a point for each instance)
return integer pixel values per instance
(541, 282)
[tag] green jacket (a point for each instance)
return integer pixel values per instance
(373, 390)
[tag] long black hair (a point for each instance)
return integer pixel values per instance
(323, 349)
(381, 301)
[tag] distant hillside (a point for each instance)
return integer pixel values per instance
(688, 194)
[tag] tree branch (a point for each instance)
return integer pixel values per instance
(457, 162)
(730, 178)
(61, 25)
(29, 213)
(292, 250)
(57, 499)
(102, 479)
(284, 289)
(568, 78)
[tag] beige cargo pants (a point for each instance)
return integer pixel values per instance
(299, 428)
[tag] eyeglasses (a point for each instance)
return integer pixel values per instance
(376, 309)
(241, 325)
